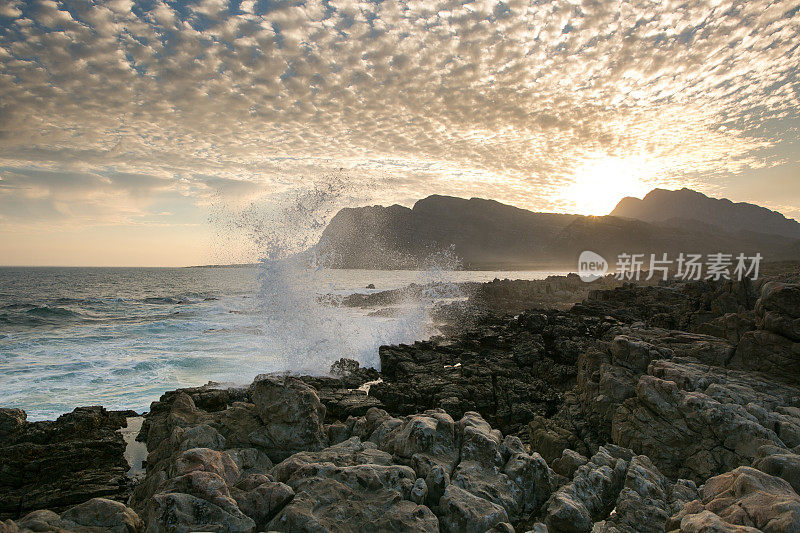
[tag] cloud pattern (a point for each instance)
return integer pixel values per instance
(107, 106)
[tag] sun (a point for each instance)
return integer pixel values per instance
(601, 182)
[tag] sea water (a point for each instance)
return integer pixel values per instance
(120, 337)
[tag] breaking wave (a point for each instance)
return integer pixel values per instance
(302, 332)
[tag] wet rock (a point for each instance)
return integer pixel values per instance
(509, 370)
(427, 440)
(344, 367)
(11, 420)
(292, 414)
(61, 463)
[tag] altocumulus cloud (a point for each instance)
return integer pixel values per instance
(121, 101)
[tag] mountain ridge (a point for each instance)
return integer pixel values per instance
(660, 205)
(484, 233)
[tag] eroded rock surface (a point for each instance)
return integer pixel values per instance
(744, 499)
(96, 515)
(605, 419)
(58, 464)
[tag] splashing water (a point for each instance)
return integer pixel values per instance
(303, 331)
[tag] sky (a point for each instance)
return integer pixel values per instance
(160, 133)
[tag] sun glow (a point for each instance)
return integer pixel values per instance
(601, 182)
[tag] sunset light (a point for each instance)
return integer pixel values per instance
(600, 183)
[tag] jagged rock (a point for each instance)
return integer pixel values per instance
(292, 414)
(337, 432)
(694, 421)
(550, 440)
(206, 460)
(770, 353)
(427, 440)
(499, 471)
(94, 516)
(249, 460)
(329, 505)
(646, 500)
(363, 426)
(179, 512)
(352, 479)
(107, 515)
(348, 453)
(509, 370)
(730, 326)
(568, 463)
(42, 520)
(57, 464)
(344, 367)
(533, 478)
(201, 436)
(782, 464)
(204, 485)
(778, 309)
(341, 403)
(11, 420)
(744, 497)
(364, 495)
(590, 496)
(437, 482)
(260, 498)
(419, 492)
(502, 527)
(463, 512)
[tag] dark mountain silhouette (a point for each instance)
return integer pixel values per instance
(491, 235)
(686, 207)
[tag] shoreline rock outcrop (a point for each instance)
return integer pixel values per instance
(660, 408)
(57, 464)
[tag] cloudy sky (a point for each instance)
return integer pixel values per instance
(134, 132)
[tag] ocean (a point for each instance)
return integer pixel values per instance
(120, 337)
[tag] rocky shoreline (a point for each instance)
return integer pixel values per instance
(672, 407)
